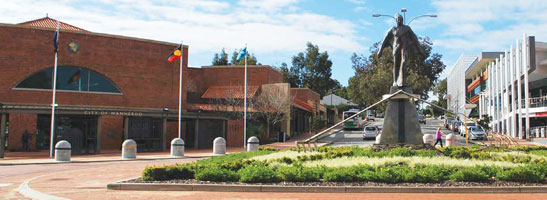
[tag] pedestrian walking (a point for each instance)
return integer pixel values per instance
(439, 137)
(25, 140)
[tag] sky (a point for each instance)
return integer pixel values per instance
(277, 30)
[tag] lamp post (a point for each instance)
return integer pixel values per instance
(403, 10)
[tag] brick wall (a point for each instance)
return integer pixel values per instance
(138, 67)
(18, 123)
(111, 133)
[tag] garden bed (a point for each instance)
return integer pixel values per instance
(362, 167)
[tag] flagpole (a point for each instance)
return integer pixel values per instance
(54, 89)
(245, 104)
(180, 85)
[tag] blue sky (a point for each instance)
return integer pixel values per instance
(276, 30)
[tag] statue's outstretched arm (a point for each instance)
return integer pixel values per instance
(388, 40)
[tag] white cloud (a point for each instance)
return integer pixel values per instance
(268, 26)
(489, 25)
(356, 2)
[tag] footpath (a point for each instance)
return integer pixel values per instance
(42, 157)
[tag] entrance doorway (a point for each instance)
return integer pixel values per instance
(147, 133)
(80, 131)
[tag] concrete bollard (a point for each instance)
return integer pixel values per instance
(429, 139)
(129, 150)
(177, 148)
(219, 146)
(378, 138)
(252, 144)
(63, 151)
(451, 140)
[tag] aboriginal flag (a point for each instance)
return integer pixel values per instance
(175, 54)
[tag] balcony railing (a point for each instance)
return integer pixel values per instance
(536, 102)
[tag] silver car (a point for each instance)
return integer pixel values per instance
(370, 132)
(476, 133)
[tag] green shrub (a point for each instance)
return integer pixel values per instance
(170, 172)
(460, 153)
(216, 174)
(297, 174)
(340, 175)
(425, 153)
(338, 152)
(395, 174)
(521, 174)
(400, 151)
(218, 160)
(286, 160)
(257, 173)
(480, 155)
(428, 174)
(267, 148)
(470, 174)
(154, 173)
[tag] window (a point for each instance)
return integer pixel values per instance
(71, 79)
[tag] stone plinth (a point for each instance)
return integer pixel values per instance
(401, 124)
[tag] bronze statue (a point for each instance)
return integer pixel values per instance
(404, 43)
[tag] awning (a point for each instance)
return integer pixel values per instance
(302, 105)
(224, 92)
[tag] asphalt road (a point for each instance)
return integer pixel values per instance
(355, 137)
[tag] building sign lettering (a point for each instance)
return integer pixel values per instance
(115, 113)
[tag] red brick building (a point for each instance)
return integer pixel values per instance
(111, 88)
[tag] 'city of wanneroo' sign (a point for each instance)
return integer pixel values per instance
(115, 113)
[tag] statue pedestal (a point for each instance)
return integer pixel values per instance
(401, 124)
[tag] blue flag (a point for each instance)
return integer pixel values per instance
(56, 39)
(242, 54)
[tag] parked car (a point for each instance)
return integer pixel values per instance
(455, 125)
(370, 132)
(370, 118)
(421, 118)
(461, 128)
(447, 122)
(476, 133)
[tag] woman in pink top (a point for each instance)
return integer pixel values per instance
(439, 137)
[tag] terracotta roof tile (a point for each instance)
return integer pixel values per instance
(47, 22)
(302, 105)
(223, 92)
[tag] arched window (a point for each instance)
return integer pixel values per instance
(70, 78)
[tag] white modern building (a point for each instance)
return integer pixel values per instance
(512, 88)
(455, 83)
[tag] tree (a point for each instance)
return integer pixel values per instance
(312, 69)
(484, 123)
(440, 91)
(220, 59)
(251, 59)
(374, 76)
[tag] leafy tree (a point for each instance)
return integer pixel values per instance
(220, 59)
(374, 75)
(484, 122)
(312, 69)
(440, 91)
(251, 59)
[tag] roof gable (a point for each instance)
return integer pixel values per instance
(48, 22)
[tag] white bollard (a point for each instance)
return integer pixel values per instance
(63, 151)
(451, 140)
(219, 146)
(429, 139)
(252, 144)
(129, 149)
(378, 138)
(177, 148)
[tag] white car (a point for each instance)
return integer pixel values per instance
(370, 118)
(370, 132)
(461, 129)
(476, 133)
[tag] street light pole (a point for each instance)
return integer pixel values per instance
(404, 16)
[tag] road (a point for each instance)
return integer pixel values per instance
(355, 137)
